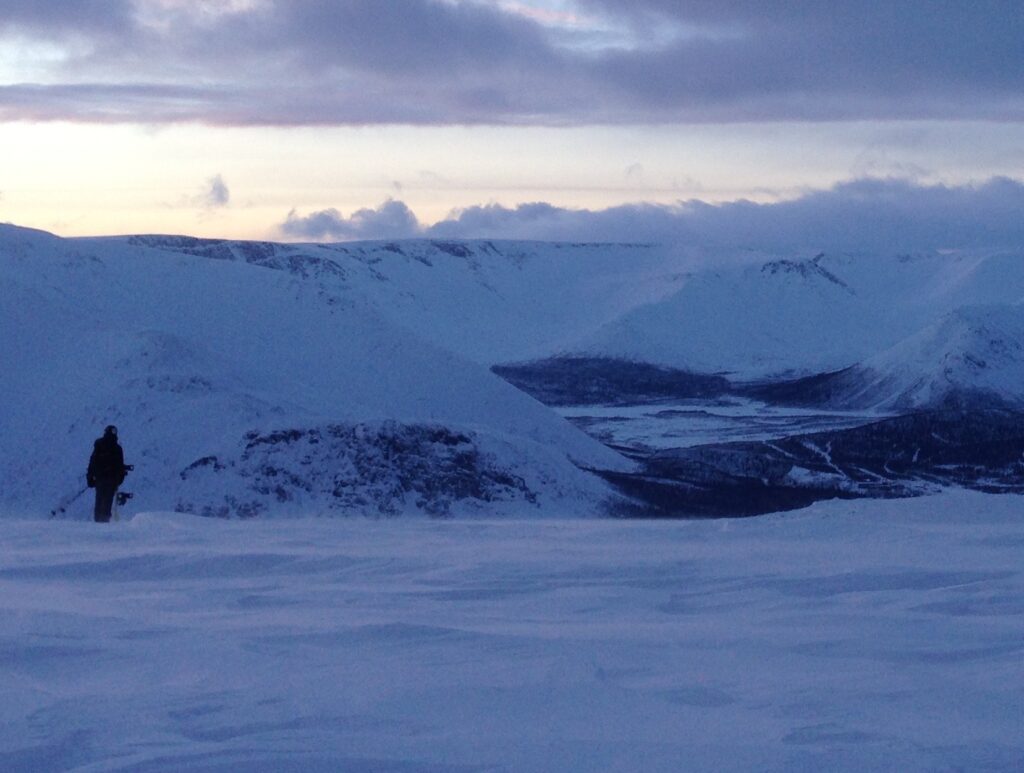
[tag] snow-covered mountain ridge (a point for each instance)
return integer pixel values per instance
(972, 357)
(194, 358)
(751, 317)
(488, 301)
(336, 351)
(797, 318)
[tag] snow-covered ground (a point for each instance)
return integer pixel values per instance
(850, 636)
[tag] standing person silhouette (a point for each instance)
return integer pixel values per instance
(106, 472)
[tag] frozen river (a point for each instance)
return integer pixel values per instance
(658, 426)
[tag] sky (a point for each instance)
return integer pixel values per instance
(637, 121)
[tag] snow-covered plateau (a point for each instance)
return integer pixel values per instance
(850, 636)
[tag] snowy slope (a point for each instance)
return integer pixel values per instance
(798, 317)
(758, 319)
(489, 301)
(225, 377)
(751, 316)
(853, 636)
(973, 356)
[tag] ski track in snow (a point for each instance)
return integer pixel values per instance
(855, 636)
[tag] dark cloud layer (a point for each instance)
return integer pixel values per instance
(56, 20)
(283, 62)
(869, 215)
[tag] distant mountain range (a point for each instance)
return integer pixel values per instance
(747, 319)
(255, 377)
(804, 317)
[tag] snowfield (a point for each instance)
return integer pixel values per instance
(846, 637)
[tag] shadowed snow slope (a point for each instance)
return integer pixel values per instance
(242, 390)
(972, 357)
(798, 317)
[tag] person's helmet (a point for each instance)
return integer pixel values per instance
(110, 430)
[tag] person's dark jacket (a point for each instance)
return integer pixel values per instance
(106, 464)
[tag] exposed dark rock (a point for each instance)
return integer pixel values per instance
(821, 389)
(455, 249)
(279, 257)
(206, 461)
(657, 497)
(804, 268)
(381, 468)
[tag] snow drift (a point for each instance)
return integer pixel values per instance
(850, 637)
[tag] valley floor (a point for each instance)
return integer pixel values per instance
(868, 635)
(657, 426)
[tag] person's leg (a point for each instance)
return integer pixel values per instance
(104, 501)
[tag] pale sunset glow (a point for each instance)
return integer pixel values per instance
(117, 115)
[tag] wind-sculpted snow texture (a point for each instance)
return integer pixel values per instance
(194, 357)
(851, 637)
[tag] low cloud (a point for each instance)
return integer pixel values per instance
(216, 194)
(546, 222)
(866, 215)
(870, 215)
(391, 220)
